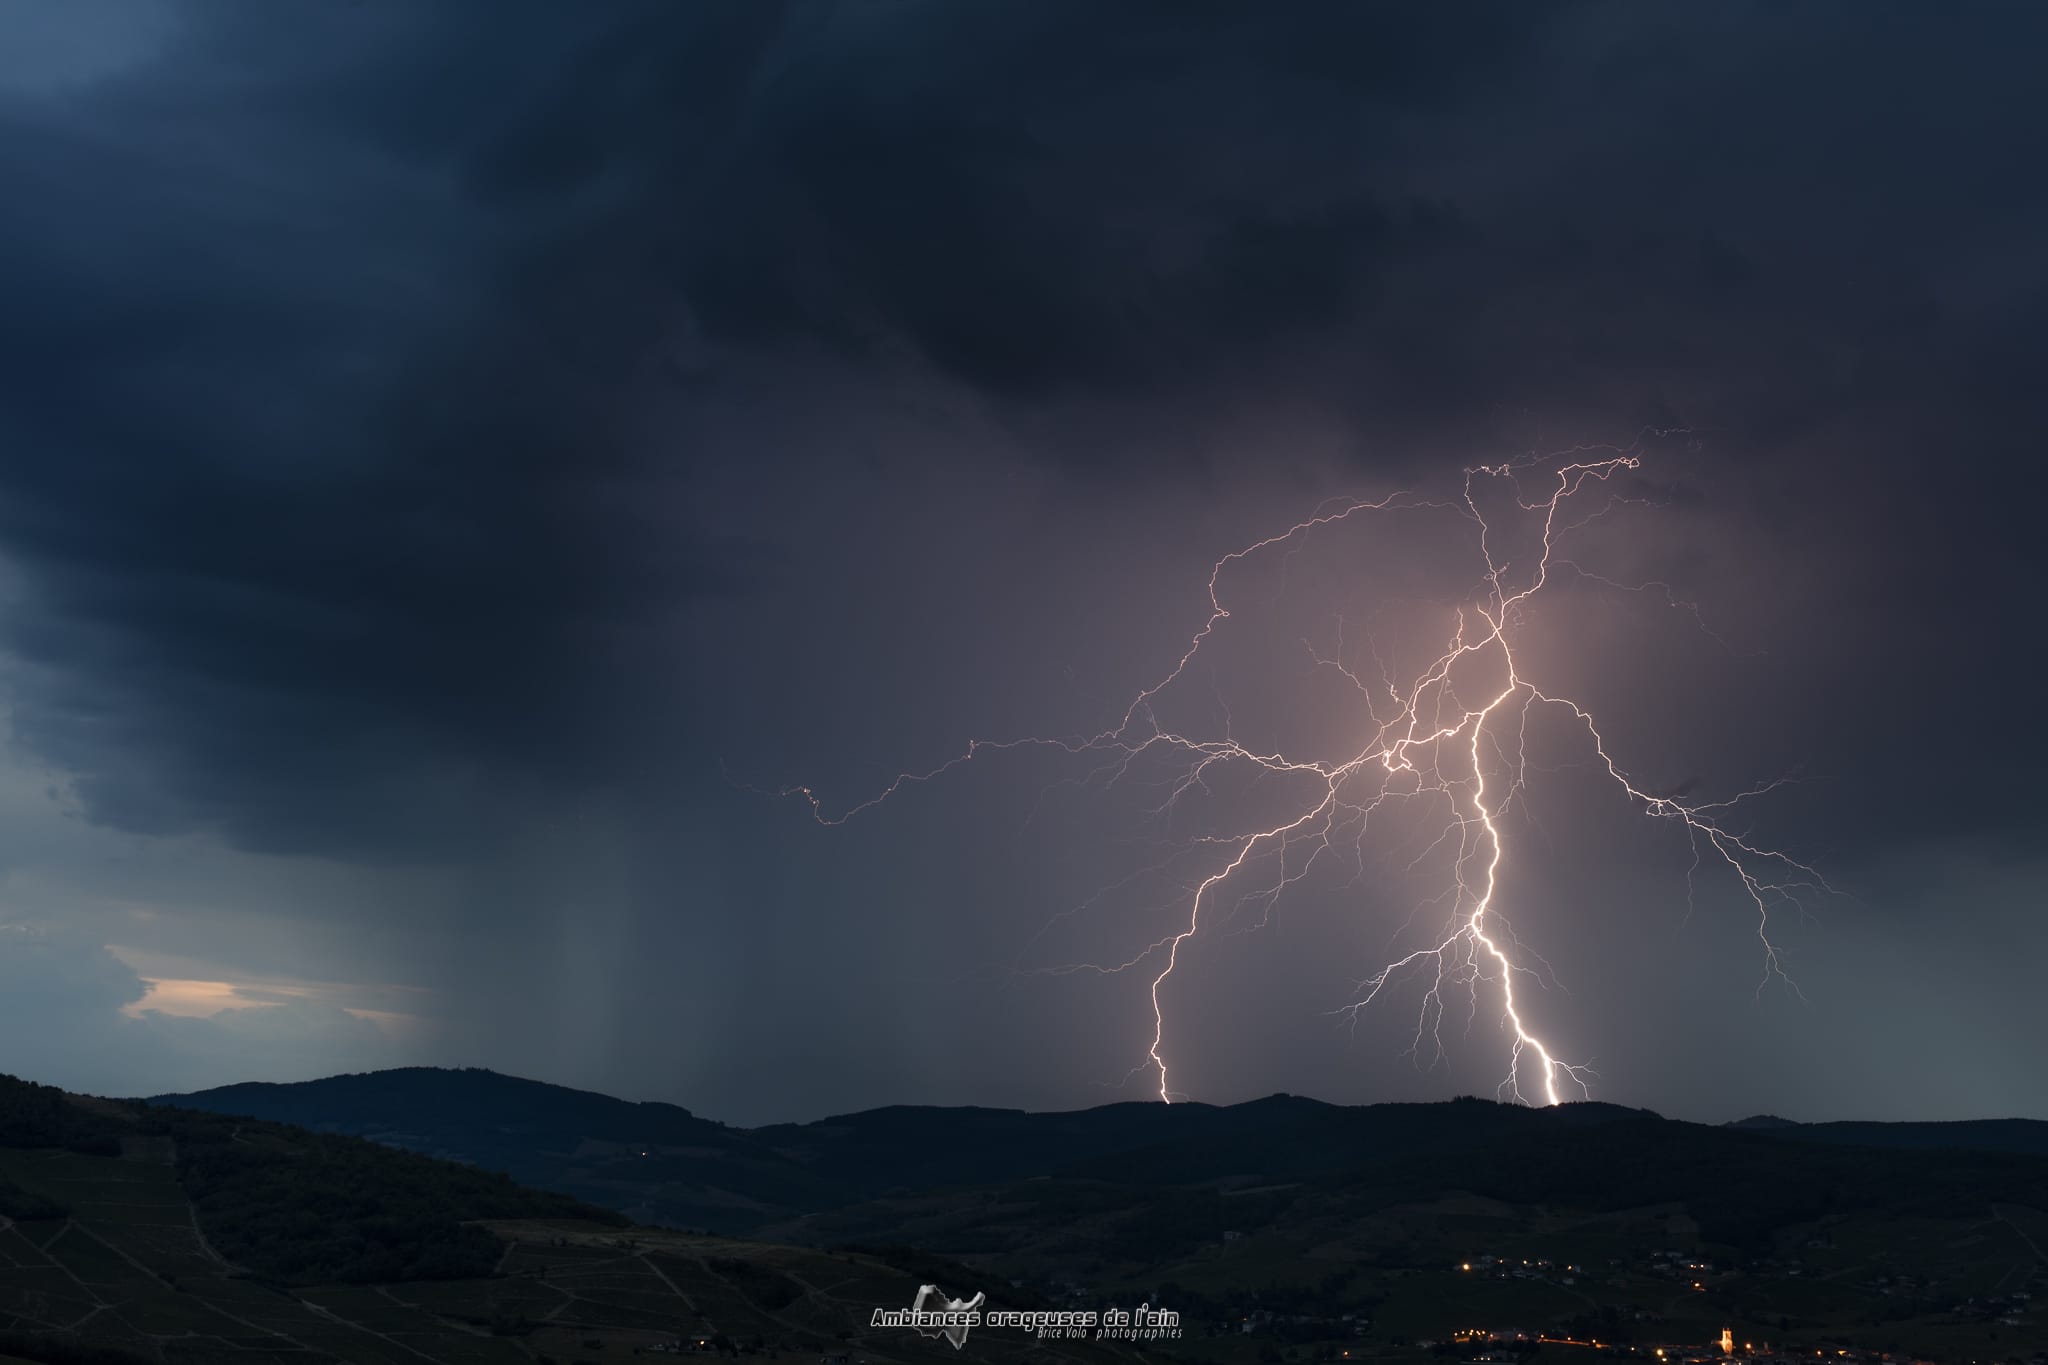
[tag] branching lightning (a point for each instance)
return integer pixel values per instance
(1431, 736)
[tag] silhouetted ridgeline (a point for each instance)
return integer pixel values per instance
(140, 1218)
(812, 1180)
(34, 1115)
(291, 1205)
(2028, 1136)
(658, 1161)
(133, 1233)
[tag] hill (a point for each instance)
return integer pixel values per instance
(2028, 1136)
(662, 1164)
(656, 1161)
(1323, 1229)
(139, 1234)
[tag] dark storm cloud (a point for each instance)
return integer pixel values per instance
(314, 473)
(323, 330)
(392, 393)
(1802, 229)
(326, 330)
(1059, 198)
(1645, 211)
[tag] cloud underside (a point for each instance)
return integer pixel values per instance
(334, 503)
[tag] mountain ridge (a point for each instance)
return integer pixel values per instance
(662, 1163)
(134, 1233)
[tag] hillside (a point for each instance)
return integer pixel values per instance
(2028, 1136)
(1350, 1228)
(656, 1161)
(133, 1233)
(662, 1164)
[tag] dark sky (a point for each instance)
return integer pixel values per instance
(454, 457)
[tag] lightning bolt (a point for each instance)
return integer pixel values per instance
(1427, 742)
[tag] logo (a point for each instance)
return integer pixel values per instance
(935, 1315)
(932, 1314)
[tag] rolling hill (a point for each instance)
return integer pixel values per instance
(140, 1234)
(1319, 1229)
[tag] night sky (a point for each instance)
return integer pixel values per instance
(458, 459)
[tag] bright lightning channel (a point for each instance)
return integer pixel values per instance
(1426, 743)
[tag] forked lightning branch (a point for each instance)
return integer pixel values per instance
(1448, 738)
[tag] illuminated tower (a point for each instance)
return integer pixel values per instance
(1727, 1341)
